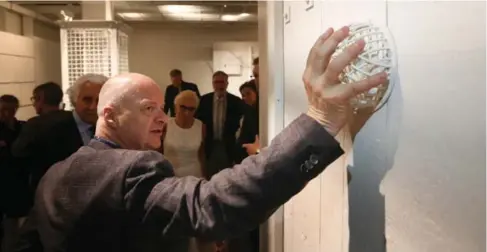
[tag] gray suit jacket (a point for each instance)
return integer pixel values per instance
(104, 199)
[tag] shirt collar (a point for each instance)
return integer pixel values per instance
(82, 126)
(223, 98)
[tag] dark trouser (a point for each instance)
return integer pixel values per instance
(255, 239)
(218, 159)
(241, 243)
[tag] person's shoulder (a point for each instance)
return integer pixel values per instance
(148, 161)
(198, 123)
(33, 120)
(233, 97)
(191, 84)
(123, 160)
(207, 96)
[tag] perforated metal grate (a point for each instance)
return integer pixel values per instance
(92, 48)
(123, 52)
(88, 51)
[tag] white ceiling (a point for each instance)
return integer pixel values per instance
(157, 11)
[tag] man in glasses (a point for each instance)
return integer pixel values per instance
(220, 111)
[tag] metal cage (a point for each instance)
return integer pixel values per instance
(99, 47)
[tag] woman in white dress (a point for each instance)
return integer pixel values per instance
(182, 145)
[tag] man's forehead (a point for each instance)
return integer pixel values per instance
(152, 101)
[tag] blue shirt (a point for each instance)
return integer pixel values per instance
(85, 129)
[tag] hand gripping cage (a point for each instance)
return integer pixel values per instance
(379, 55)
(92, 47)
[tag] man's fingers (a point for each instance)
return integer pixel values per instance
(318, 43)
(341, 61)
(343, 92)
(324, 52)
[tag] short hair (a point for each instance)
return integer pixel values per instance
(248, 85)
(255, 61)
(73, 91)
(220, 73)
(51, 92)
(187, 94)
(10, 99)
(175, 72)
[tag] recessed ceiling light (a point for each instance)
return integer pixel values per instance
(179, 9)
(229, 18)
(132, 15)
(193, 17)
(233, 18)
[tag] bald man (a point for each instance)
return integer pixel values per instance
(117, 195)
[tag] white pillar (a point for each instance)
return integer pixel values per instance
(271, 108)
(97, 10)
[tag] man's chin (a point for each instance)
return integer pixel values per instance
(153, 146)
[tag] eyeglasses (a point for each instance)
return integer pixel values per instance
(189, 109)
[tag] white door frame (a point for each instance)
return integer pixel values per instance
(271, 90)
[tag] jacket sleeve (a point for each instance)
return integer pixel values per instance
(234, 200)
(167, 100)
(196, 90)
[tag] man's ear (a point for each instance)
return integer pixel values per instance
(109, 115)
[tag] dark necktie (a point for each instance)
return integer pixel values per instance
(91, 131)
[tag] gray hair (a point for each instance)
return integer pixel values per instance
(73, 91)
(187, 94)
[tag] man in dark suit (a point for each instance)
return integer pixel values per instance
(177, 85)
(55, 134)
(11, 179)
(116, 194)
(221, 112)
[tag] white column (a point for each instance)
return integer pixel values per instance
(97, 10)
(271, 108)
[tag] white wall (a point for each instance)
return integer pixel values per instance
(155, 49)
(235, 58)
(419, 164)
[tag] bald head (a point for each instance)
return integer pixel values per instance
(124, 88)
(130, 111)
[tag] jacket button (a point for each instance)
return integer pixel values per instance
(313, 159)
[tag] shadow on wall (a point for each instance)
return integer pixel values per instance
(373, 156)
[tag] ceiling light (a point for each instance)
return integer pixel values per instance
(179, 9)
(244, 14)
(193, 17)
(230, 18)
(132, 15)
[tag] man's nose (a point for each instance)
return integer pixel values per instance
(162, 118)
(93, 105)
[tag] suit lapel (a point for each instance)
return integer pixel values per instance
(78, 140)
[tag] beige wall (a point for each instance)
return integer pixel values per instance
(26, 61)
(155, 49)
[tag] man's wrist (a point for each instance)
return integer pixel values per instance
(320, 117)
